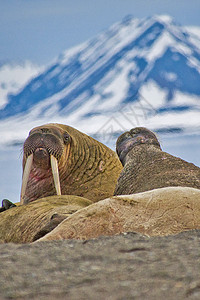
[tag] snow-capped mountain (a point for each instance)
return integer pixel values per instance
(137, 73)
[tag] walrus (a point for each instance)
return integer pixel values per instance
(58, 159)
(159, 212)
(147, 167)
(27, 223)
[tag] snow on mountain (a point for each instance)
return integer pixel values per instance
(194, 30)
(137, 73)
(13, 77)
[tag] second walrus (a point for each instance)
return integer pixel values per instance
(147, 167)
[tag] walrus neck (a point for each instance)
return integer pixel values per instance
(139, 152)
(39, 187)
(38, 173)
(86, 163)
(81, 161)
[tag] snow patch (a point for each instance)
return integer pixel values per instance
(194, 30)
(160, 46)
(14, 77)
(67, 55)
(164, 18)
(153, 94)
(181, 99)
(169, 76)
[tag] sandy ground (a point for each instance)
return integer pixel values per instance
(128, 266)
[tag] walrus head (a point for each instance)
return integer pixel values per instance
(42, 151)
(136, 136)
(58, 159)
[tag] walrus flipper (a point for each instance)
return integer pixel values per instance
(6, 204)
(54, 221)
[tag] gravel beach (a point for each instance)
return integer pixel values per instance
(127, 266)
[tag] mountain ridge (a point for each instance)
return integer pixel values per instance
(142, 63)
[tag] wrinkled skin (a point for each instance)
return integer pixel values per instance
(147, 167)
(159, 212)
(59, 159)
(27, 223)
(164, 211)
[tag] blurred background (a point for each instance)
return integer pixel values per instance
(102, 67)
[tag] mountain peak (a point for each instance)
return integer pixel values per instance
(127, 19)
(164, 18)
(149, 66)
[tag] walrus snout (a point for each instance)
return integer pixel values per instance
(41, 152)
(41, 158)
(50, 143)
(130, 139)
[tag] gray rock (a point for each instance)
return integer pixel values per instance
(127, 266)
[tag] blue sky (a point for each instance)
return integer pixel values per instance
(39, 30)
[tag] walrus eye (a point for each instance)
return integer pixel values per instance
(66, 138)
(126, 135)
(135, 131)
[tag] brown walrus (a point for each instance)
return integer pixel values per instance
(59, 159)
(26, 223)
(158, 212)
(147, 167)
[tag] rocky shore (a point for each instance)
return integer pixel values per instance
(126, 266)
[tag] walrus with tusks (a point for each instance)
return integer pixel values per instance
(58, 159)
(160, 211)
(147, 167)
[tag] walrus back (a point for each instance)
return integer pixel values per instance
(149, 168)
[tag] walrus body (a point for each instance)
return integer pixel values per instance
(26, 223)
(159, 212)
(147, 167)
(59, 159)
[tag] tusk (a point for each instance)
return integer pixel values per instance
(54, 167)
(26, 173)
